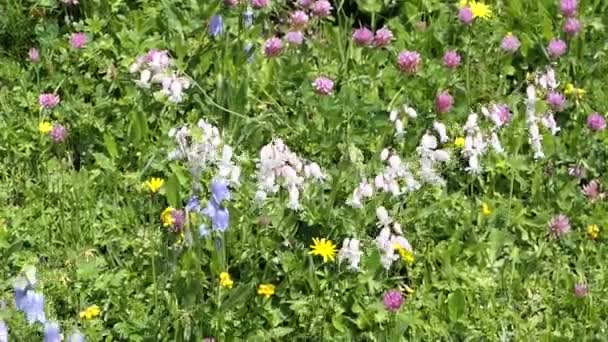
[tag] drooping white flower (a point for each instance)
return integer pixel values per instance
(279, 167)
(351, 253)
(442, 131)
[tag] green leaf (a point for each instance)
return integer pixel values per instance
(172, 191)
(110, 144)
(456, 304)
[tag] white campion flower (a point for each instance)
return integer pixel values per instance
(144, 79)
(387, 242)
(383, 216)
(399, 131)
(203, 151)
(549, 121)
(384, 154)
(532, 121)
(495, 142)
(492, 116)
(442, 131)
(351, 253)
(428, 142)
(279, 167)
(547, 79)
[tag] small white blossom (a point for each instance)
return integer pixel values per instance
(350, 253)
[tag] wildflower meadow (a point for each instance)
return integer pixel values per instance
(303, 170)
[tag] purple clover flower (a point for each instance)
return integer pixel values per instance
(273, 47)
(581, 290)
(257, 4)
(568, 7)
(58, 133)
(393, 300)
(295, 37)
(48, 100)
(78, 40)
(323, 85)
(556, 48)
(556, 100)
(444, 102)
(465, 15)
(596, 122)
(34, 55)
(363, 36)
(321, 8)
(559, 225)
(383, 37)
(299, 19)
(510, 43)
(451, 59)
(572, 26)
(409, 62)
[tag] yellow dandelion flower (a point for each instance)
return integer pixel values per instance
(266, 290)
(485, 209)
(593, 231)
(154, 184)
(45, 127)
(166, 217)
(90, 312)
(324, 248)
(225, 280)
(570, 89)
(405, 254)
(480, 10)
(459, 142)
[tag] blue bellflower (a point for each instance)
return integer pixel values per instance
(220, 191)
(3, 332)
(248, 48)
(193, 205)
(51, 332)
(76, 337)
(216, 25)
(248, 18)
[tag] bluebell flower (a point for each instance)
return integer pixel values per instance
(193, 204)
(220, 191)
(248, 18)
(203, 231)
(51, 332)
(216, 25)
(249, 52)
(20, 298)
(34, 307)
(76, 337)
(219, 216)
(222, 219)
(3, 332)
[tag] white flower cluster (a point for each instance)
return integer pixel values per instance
(548, 82)
(202, 147)
(396, 115)
(386, 181)
(351, 253)
(154, 67)
(390, 238)
(474, 145)
(430, 155)
(532, 120)
(279, 167)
